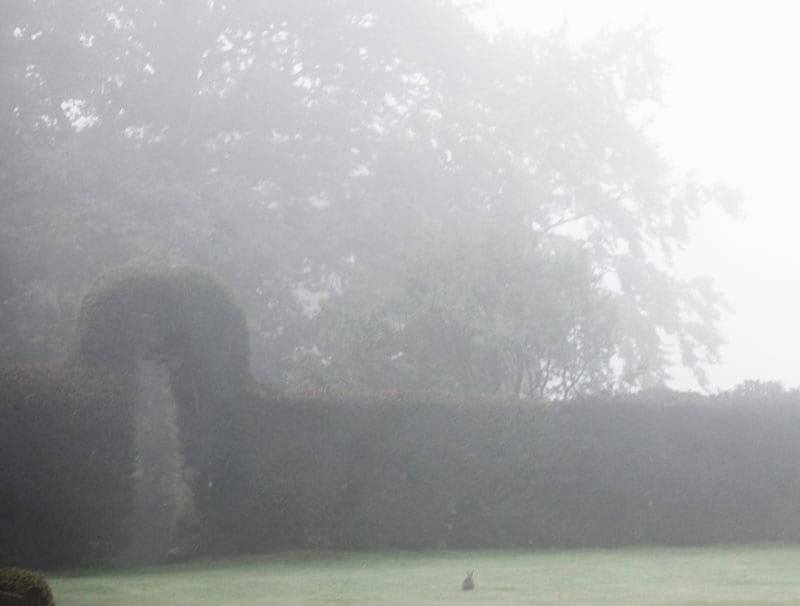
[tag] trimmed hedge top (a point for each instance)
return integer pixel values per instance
(174, 315)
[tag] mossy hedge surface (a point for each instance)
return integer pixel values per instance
(28, 583)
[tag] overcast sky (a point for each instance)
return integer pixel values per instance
(731, 112)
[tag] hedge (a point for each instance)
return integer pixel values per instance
(426, 472)
(67, 432)
(271, 470)
(29, 584)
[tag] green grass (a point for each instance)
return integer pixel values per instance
(729, 575)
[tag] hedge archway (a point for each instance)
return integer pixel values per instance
(187, 320)
(67, 437)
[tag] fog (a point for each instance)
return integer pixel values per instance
(395, 275)
(318, 174)
(727, 113)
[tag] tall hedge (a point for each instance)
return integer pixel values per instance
(66, 440)
(426, 472)
(66, 447)
(186, 319)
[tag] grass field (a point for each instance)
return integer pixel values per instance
(728, 575)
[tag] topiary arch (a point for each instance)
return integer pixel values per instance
(178, 315)
(186, 319)
(67, 436)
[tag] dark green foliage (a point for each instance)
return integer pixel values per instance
(187, 320)
(67, 432)
(67, 450)
(423, 472)
(179, 316)
(27, 583)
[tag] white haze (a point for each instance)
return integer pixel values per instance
(730, 114)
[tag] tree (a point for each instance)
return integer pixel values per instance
(492, 313)
(299, 148)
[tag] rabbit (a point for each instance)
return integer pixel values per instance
(468, 584)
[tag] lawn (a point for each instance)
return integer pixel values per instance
(727, 575)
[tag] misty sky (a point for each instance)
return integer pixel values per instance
(729, 113)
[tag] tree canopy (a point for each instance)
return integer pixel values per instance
(401, 200)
